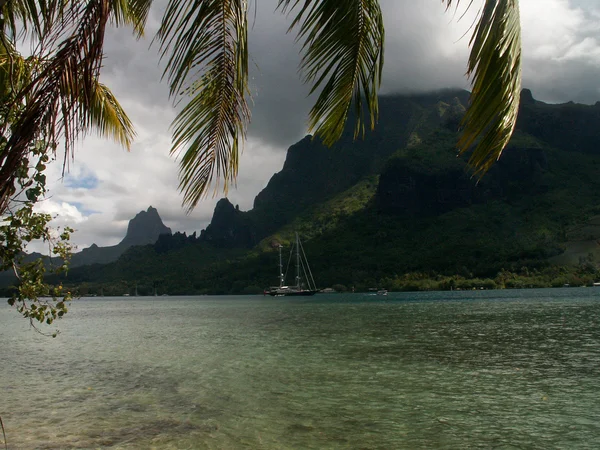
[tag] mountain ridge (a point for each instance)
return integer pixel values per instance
(145, 228)
(399, 201)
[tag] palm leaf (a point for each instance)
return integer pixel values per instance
(343, 45)
(14, 71)
(20, 15)
(131, 12)
(205, 44)
(495, 68)
(63, 98)
(105, 114)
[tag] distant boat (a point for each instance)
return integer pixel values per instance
(305, 283)
(378, 291)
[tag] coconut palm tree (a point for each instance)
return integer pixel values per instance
(204, 44)
(54, 94)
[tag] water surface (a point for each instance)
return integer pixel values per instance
(483, 369)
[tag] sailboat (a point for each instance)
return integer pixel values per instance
(302, 288)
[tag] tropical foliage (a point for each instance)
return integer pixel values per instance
(50, 96)
(32, 296)
(54, 94)
(495, 68)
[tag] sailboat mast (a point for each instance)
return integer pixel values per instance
(280, 267)
(298, 262)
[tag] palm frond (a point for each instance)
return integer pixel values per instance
(205, 44)
(343, 44)
(495, 68)
(106, 115)
(43, 20)
(21, 15)
(54, 96)
(131, 12)
(14, 71)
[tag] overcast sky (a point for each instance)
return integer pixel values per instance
(426, 49)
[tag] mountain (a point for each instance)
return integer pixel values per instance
(400, 206)
(145, 228)
(229, 227)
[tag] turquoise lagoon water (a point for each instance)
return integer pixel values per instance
(484, 369)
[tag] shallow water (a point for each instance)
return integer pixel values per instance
(484, 369)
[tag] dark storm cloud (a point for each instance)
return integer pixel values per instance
(279, 99)
(426, 48)
(568, 82)
(132, 67)
(414, 62)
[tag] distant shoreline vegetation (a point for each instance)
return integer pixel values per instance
(548, 277)
(397, 211)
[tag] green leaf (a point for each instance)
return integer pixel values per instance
(32, 194)
(205, 44)
(343, 44)
(495, 69)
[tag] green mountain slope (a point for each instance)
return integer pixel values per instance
(398, 202)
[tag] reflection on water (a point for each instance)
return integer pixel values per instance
(492, 369)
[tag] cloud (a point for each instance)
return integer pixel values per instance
(426, 48)
(561, 52)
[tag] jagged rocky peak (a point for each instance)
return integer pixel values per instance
(224, 206)
(527, 97)
(225, 217)
(229, 227)
(145, 228)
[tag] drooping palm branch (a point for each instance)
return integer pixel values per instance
(343, 44)
(104, 114)
(52, 98)
(14, 71)
(63, 99)
(205, 45)
(495, 69)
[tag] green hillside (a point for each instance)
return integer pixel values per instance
(400, 209)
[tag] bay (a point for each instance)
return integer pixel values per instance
(477, 369)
